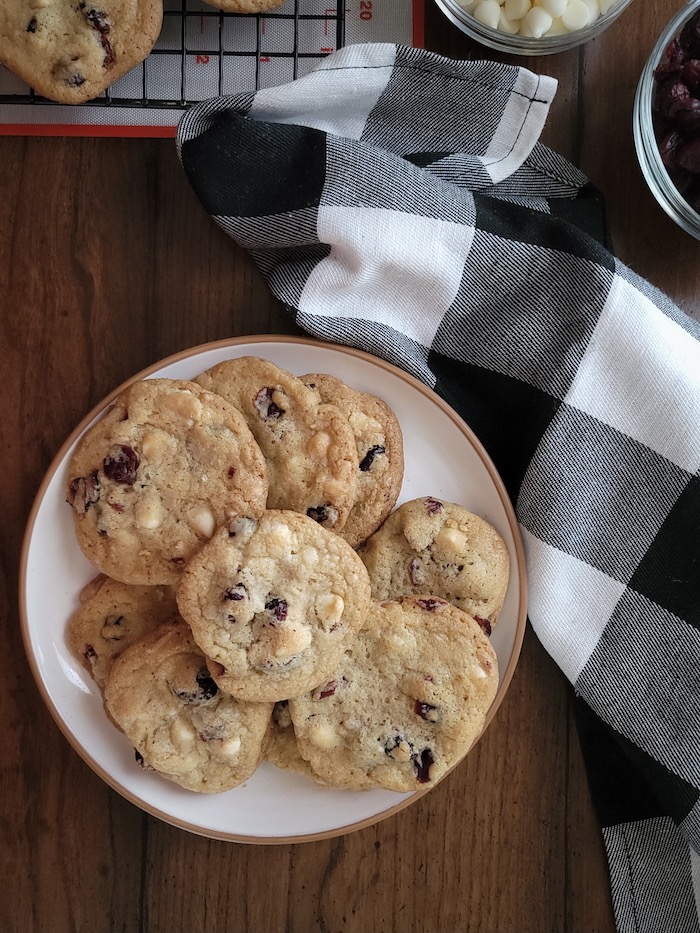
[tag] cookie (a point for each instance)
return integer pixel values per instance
(281, 747)
(379, 443)
(405, 704)
(273, 603)
(71, 51)
(113, 615)
(308, 444)
(245, 6)
(160, 694)
(431, 546)
(150, 481)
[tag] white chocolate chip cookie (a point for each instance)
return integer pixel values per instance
(273, 604)
(160, 694)
(151, 481)
(379, 443)
(309, 445)
(431, 546)
(405, 704)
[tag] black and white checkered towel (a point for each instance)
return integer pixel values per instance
(400, 202)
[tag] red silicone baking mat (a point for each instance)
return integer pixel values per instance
(203, 53)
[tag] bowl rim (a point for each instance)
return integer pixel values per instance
(654, 171)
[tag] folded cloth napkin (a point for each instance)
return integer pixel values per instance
(400, 202)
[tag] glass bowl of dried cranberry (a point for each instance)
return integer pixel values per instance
(667, 119)
(532, 27)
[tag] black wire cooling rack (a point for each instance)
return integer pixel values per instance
(203, 52)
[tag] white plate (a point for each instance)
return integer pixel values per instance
(443, 459)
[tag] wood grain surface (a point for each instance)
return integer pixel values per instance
(108, 263)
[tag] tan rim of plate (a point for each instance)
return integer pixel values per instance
(238, 342)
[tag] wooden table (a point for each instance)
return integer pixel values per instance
(108, 263)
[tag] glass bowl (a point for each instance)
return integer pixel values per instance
(651, 131)
(518, 44)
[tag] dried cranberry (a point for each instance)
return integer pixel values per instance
(326, 515)
(690, 75)
(484, 623)
(120, 465)
(685, 114)
(278, 607)
(205, 690)
(83, 492)
(687, 156)
(432, 603)
(669, 93)
(433, 505)
(264, 405)
(322, 693)
(98, 20)
(32, 25)
(231, 471)
(422, 764)
(415, 571)
(370, 457)
(689, 39)
(426, 711)
(235, 593)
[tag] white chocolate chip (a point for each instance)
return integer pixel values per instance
(309, 557)
(279, 540)
(535, 23)
(451, 542)
(291, 640)
(329, 608)
(151, 444)
(184, 404)
(488, 12)
(516, 9)
(318, 444)
(575, 16)
(148, 513)
(202, 521)
(230, 747)
(182, 735)
(323, 735)
(554, 7)
(509, 26)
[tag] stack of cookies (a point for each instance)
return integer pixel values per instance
(259, 595)
(71, 52)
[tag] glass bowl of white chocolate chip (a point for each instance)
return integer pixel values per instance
(532, 27)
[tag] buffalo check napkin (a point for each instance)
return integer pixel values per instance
(401, 203)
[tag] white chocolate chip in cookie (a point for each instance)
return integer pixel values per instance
(318, 444)
(323, 735)
(183, 404)
(182, 735)
(202, 522)
(451, 543)
(279, 540)
(291, 640)
(148, 512)
(329, 608)
(230, 747)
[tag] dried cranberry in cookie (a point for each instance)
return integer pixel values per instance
(154, 478)
(406, 702)
(160, 694)
(434, 547)
(379, 444)
(308, 444)
(274, 608)
(72, 51)
(113, 615)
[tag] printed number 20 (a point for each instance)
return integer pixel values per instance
(365, 9)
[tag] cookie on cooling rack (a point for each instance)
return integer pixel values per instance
(160, 694)
(431, 546)
(273, 603)
(406, 702)
(379, 444)
(309, 445)
(111, 616)
(150, 481)
(71, 52)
